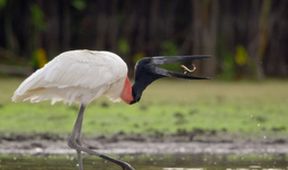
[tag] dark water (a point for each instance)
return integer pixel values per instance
(150, 162)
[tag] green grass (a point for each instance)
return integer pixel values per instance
(166, 106)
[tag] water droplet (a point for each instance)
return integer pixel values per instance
(37, 150)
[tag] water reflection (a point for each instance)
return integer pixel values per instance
(150, 162)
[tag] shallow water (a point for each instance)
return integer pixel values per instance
(149, 162)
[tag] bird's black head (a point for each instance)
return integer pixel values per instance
(147, 70)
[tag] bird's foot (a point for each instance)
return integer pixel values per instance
(126, 166)
(75, 145)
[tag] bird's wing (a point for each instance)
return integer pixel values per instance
(76, 69)
(85, 69)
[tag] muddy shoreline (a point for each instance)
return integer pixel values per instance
(45, 144)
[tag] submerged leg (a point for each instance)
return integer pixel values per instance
(74, 142)
(80, 160)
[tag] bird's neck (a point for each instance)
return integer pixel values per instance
(127, 94)
(132, 94)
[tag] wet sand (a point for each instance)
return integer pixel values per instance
(134, 144)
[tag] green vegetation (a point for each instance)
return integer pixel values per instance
(167, 107)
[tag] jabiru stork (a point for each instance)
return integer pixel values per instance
(81, 76)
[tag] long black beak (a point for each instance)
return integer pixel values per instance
(150, 69)
(158, 61)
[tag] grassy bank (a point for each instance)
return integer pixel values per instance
(167, 106)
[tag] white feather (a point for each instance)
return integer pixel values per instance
(77, 76)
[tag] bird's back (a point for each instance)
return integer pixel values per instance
(75, 76)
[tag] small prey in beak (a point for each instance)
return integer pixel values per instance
(187, 70)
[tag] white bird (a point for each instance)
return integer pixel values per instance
(80, 76)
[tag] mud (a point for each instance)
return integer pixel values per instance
(182, 142)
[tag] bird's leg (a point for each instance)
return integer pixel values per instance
(74, 142)
(76, 135)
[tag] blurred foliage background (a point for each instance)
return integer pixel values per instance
(247, 38)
